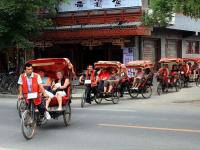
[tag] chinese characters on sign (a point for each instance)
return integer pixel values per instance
(117, 2)
(97, 3)
(76, 5)
(79, 4)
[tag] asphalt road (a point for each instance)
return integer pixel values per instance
(167, 122)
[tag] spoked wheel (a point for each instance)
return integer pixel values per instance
(83, 100)
(14, 89)
(177, 86)
(186, 84)
(17, 105)
(67, 115)
(115, 97)
(133, 93)
(147, 91)
(21, 107)
(198, 82)
(159, 88)
(98, 98)
(28, 125)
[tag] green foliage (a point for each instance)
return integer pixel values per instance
(161, 11)
(20, 21)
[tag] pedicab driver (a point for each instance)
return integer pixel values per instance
(30, 82)
(90, 77)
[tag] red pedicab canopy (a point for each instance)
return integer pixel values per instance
(51, 65)
(140, 64)
(192, 59)
(171, 60)
(108, 64)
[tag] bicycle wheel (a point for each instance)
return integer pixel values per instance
(133, 93)
(98, 98)
(21, 108)
(159, 88)
(198, 82)
(83, 100)
(67, 114)
(28, 125)
(115, 97)
(177, 86)
(14, 89)
(147, 91)
(17, 105)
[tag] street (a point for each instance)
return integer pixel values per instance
(167, 122)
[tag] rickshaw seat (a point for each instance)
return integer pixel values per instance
(65, 99)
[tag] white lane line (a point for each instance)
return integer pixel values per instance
(104, 109)
(151, 128)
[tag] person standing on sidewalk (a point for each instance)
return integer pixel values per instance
(30, 82)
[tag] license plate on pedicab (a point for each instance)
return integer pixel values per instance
(32, 95)
(88, 81)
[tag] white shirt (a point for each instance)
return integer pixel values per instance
(29, 81)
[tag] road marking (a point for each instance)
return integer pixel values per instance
(99, 109)
(151, 128)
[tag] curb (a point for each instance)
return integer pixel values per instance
(8, 96)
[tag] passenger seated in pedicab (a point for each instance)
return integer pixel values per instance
(123, 78)
(90, 82)
(174, 70)
(110, 83)
(148, 74)
(58, 88)
(138, 78)
(103, 75)
(173, 73)
(186, 70)
(194, 70)
(46, 81)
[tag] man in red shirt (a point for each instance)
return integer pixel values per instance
(103, 75)
(164, 73)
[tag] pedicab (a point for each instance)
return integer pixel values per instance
(193, 66)
(124, 82)
(173, 80)
(31, 118)
(145, 85)
(99, 94)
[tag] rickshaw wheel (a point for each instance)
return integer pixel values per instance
(115, 97)
(67, 114)
(17, 105)
(28, 125)
(182, 84)
(98, 100)
(159, 89)
(133, 93)
(83, 100)
(177, 86)
(147, 91)
(21, 107)
(198, 82)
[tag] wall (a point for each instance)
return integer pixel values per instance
(184, 46)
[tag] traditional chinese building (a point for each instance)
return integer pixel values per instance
(86, 31)
(90, 30)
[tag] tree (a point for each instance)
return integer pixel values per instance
(161, 12)
(21, 20)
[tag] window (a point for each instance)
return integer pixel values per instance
(192, 47)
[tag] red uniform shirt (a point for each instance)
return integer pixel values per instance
(104, 75)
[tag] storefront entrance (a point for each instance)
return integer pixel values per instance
(80, 55)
